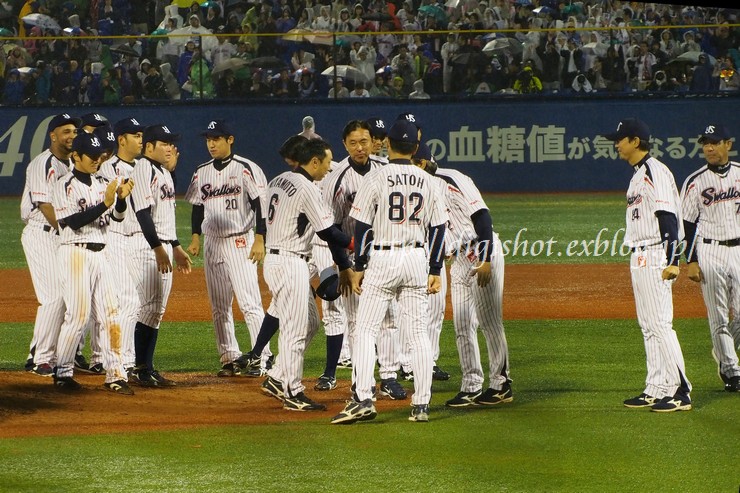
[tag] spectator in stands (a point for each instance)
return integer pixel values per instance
(213, 18)
(528, 83)
(359, 91)
(572, 56)
(728, 78)
(550, 59)
(283, 86)
(702, 80)
(689, 42)
(229, 87)
(14, 88)
(364, 60)
(661, 82)
(338, 91)
(380, 89)
(172, 88)
(154, 86)
(418, 92)
(224, 50)
(258, 89)
(307, 85)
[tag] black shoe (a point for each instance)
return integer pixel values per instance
(119, 387)
(355, 411)
(273, 388)
(301, 402)
(248, 361)
(325, 383)
(43, 370)
(439, 374)
(96, 369)
(357, 399)
(81, 363)
(270, 361)
(464, 399)
(491, 397)
(229, 370)
(29, 364)
(642, 400)
(162, 381)
(668, 404)
(67, 384)
(406, 375)
(391, 388)
(419, 413)
(733, 384)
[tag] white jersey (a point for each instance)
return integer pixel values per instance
(400, 202)
(113, 168)
(713, 200)
(463, 199)
(226, 194)
(652, 188)
(153, 187)
(295, 212)
(342, 188)
(322, 188)
(72, 196)
(42, 174)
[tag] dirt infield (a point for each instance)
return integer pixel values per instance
(30, 406)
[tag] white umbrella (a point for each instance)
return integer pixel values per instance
(693, 57)
(320, 38)
(452, 3)
(598, 49)
(43, 21)
(503, 44)
(346, 71)
(25, 70)
(230, 64)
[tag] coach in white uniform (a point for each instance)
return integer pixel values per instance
(155, 247)
(40, 240)
(295, 211)
(711, 211)
(400, 204)
(128, 135)
(654, 228)
(82, 203)
(228, 197)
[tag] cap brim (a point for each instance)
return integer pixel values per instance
(211, 133)
(612, 136)
(710, 140)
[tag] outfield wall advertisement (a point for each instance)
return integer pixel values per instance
(506, 145)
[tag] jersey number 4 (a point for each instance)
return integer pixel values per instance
(397, 205)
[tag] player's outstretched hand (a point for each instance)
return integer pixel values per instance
(350, 281)
(182, 259)
(194, 247)
(483, 272)
(163, 260)
(670, 272)
(257, 254)
(110, 193)
(124, 190)
(434, 284)
(694, 272)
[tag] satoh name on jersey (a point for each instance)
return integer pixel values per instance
(208, 192)
(405, 179)
(711, 196)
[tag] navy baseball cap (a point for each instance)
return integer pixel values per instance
(409, 117)
(88, 144)
(423, 152)
(93, 120)
(217, 128)
(63, 119)
(404, 131)
(106, 136)
(713, 134)
(127, 126)
(377, 128)
(328, 288)
(630, 127)
(161, 133)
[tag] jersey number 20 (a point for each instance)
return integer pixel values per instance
(397, 203)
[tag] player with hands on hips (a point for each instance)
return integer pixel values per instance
(477, 286)
(710, 199)
(228, 197)
(295, 211)
(82, 203)
(154, 203)
(396, 209)
(653, 231)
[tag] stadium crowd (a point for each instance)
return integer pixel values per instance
(72, 52)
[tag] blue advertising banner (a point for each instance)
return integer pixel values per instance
(506, 145)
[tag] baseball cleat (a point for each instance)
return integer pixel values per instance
(270, 362)
(96, 369)
(391, 388)
(669, 404)
(464, 399)
(325, 383)
(229, 370)
(642, 400)
(356, 398)
(119, 387)
(419, 413)
(160, 380)
(81, 363)
(439, 374)
(43, 370)
(491, 397)
(733, 385)
(67, 384)
(29, 364)
(248, 361)
(355, 411)
(273, 388)
(301, 402)
(345, 363)
(406, 375)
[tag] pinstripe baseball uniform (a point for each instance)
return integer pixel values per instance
(711, 207)
(295, 213)
(341, 188)
(225, 188)
(40, 242)
(88, 282)
(472, 303)
(120, 245)
(653, 189)
(400, 203)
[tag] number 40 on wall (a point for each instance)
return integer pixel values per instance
(12, 140)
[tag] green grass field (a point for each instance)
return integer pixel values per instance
(565, 431)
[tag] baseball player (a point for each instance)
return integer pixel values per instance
(654, 228)
(91, 121)
(40, 241)
(228, 197)
(341, 187)
(400, 203)
(82, 203)
(378, 132)
(155, 246)
(295, 212)
(710, 200)
(127, 134)
(477, 275)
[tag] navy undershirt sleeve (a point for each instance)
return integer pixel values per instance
(147, 227)
(668, 224)
(484, 229)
